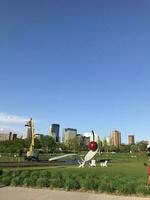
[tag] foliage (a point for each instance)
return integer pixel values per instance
(6, 180)
(72, 184)
(42, 182)
(20, 146)
(73, 145)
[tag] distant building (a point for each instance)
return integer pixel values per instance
(131, 139)
(69, 133)
(108, 141)
(115, 138)
(14, 136)
(54, 132)
(29, 132)
(7, 136)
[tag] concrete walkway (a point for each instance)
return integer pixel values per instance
(20, 193)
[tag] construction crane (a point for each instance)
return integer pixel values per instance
(32, 153)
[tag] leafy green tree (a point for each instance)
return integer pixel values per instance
(134, 148)
(47, 143)
(141, 146)
(73, 145)
(124, 148)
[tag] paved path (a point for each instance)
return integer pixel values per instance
(19, 193)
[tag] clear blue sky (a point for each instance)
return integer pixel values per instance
(83, 64)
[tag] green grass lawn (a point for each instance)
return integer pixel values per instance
(120, 164)
(124, 175)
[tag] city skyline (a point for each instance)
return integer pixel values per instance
(61, 132)
(80, 64)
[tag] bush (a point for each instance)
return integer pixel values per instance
(90, 184)
(26, 182)
(24, 174)
(16, 173)
(42, 182)
(141, 189)
(72, 184)
(6, 180)
(16, 181)
(33, 178)
(106, 185)
(117, 182)
(45, 174)
(128, 188)
(35, 173)
(56, 183)
(57, 175)
(7, 173)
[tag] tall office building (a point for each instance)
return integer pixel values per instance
(29, 132)
(7, 136)
(69, 133)
(115, 138)
(54, 132)
(131, 139)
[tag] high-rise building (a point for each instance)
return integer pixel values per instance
(131, 139)
(115, 138)
(54, 132)
(29, 132)
(69, 133)
(7, 136)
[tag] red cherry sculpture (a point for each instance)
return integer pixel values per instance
(92, 146)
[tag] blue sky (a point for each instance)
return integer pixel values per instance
(82, 64)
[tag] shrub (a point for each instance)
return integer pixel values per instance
(71, 184)
(127, 188)
(45, 174)
(56, 183)
(57, 175)
(34, 176)
(26, 181)
(42, 182)
(6, 180)
(24, 174)
(32, 181)
(90, 184)
(141, 189)
(106, 185)
(16, 181)
(117, 182)
(7, 173)
(16, 173)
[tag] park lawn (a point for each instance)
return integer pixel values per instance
(132, 168)
(124, 175)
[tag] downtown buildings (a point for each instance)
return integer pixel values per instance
(54, 132)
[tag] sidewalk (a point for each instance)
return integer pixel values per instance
(20, 193)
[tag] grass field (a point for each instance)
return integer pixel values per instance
(125, 174)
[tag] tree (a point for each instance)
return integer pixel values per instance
(134, 148)
(47, 143)
(72, 144)
(141, 146)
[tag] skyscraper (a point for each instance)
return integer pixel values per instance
(29, 133)
(54, 132)
(69, 133)
(130, 139)
(115, 138)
